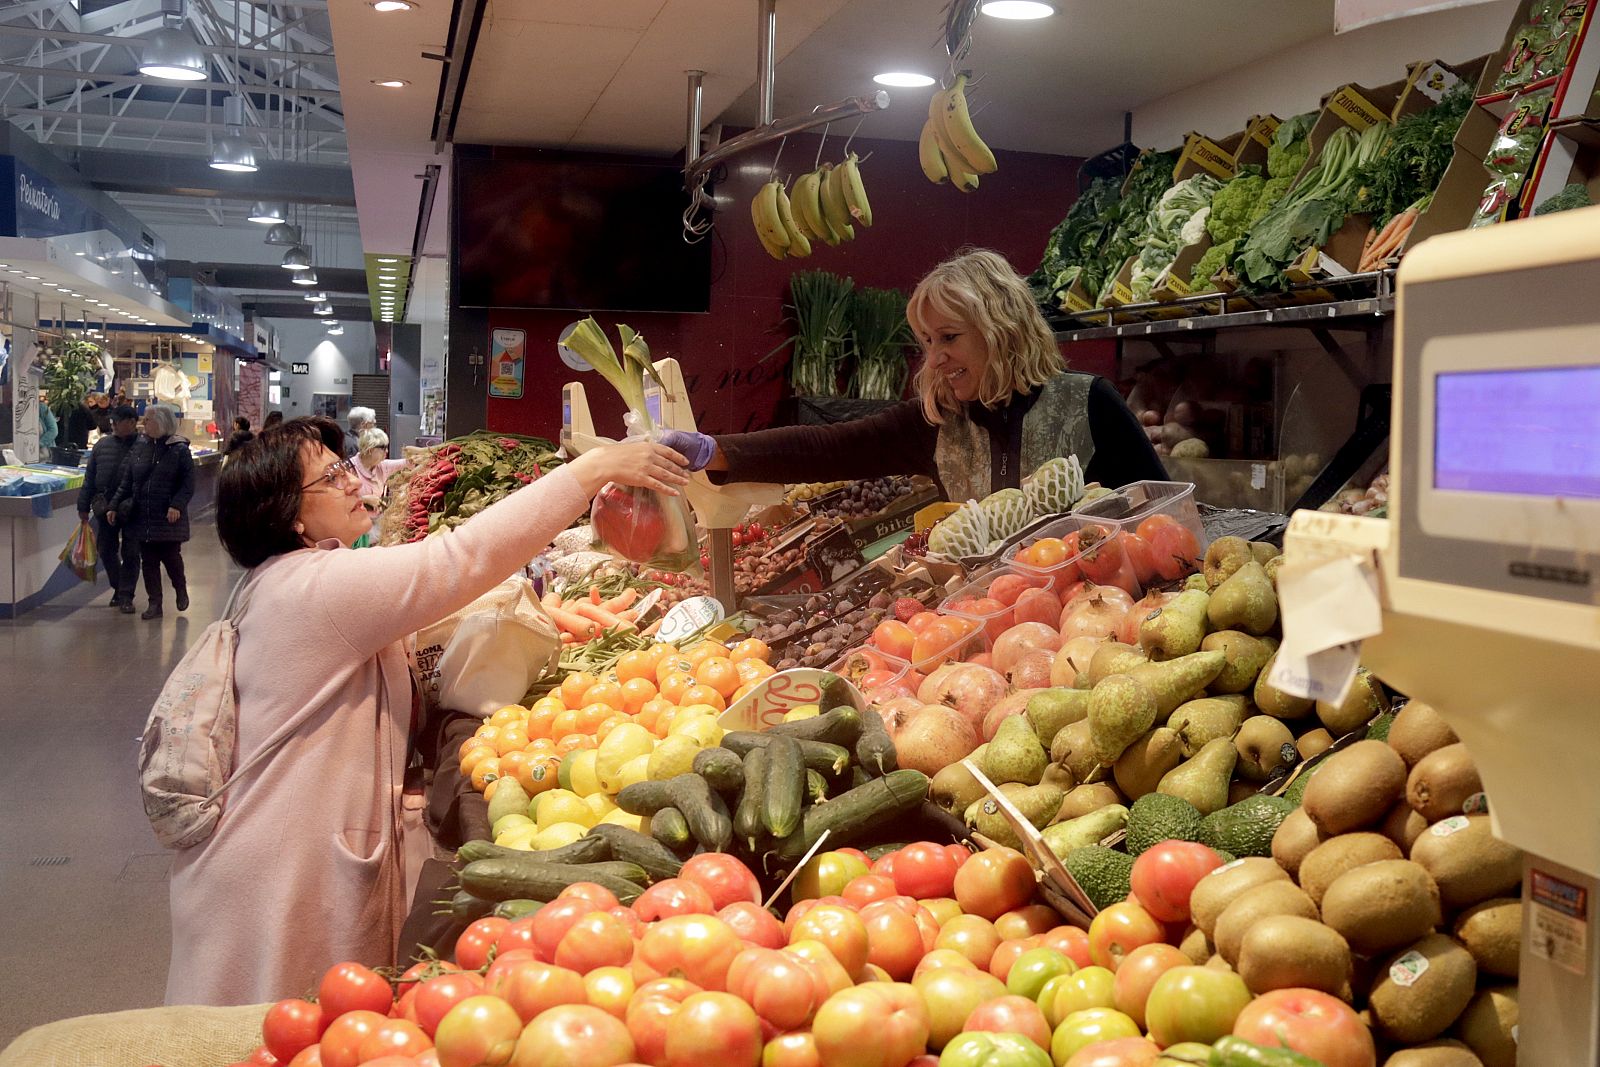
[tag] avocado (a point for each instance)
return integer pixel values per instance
(1102, 872)
(1378, 730)
(1297, 788)
(1157, 817)
(1245, 828)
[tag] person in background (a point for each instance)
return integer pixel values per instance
(152, 504)
(101, 413)
(994, 402)
(373, 467)
(359, 419)
(48, 427)
(241, 434)
(274, 418)
(119, 553)
(80, 422)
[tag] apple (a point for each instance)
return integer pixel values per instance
(1311, 1023)
(1194, 1004)
(1138, 975)
(1120, 929)
(1084, 1028)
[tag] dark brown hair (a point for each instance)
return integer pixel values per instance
(258, 491)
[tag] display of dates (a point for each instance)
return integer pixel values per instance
(857, 500)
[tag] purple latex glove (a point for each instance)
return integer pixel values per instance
(697, 448)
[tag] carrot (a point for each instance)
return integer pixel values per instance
(568, 639)
(628, 616)
(1366, 246)
(1392, 236)
(573, 623)
(597, 613)
(650, 631)
(551, 600)
(594, 594)
(622, 600)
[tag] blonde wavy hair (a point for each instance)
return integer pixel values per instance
(978, 288)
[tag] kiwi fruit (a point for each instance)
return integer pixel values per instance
(1084, 799)
(1355, 788)
(1402, 826)
(1197, 946)
(1360, 704)
(1313, 743)
(1294, 840)
(1489, 1025)
(1378, 907)
(1218, 889)
(1336, 855)
(1219, 963)
(1418, 730)
(1467, 861)
(1291, 951)
(1422, 989)
(1441, 783)
(1251, 906)
(1445, 1052)
(1492, 932)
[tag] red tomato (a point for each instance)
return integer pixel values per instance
(791, 1050)
(291, 1025)
(993, 882)
(1011, 1014)
(436, 996)
(420, 972)
(1138, 974)
(1070, 942)
(1311, 1023)
(884, 865)
(699, 947)
(341, 1041)
(551, 923)
(610, 989)
(673, 896)
(310, 1056)
(840, 931)
(472, 947)
(973, 936)
(784, 989)
(574, 1036)
(1165, 875)
(894, 940)
(754, 924)
(262, 1057)
(924, 870)
(599, 939)
(518, 937)
(651, 1008)
(880, 1024)
(352, 987)
(868, 888)
(961, 854)
(832, 973)
(716, 1028)
(723, 877)
(1004, 956)
(394, 1038)
(391, 1061)
(602, 898)
(1026, 921)
(477, 1032)
(857, 853)
(531, 987)
(630, 919)
(1120, 929)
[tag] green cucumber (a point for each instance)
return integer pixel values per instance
(747, 823)
(841, 727)
(1237, 1052)
(466, 906)
(631, 846)
(645, 798)
(847, 816)
(516, 909)
(509, 878)
(785, 786)
(877, 852)
(583, 850)
(875, 748)
(835, 693)
(671, 829)
(721, 768)
(704, 810)
(816, 787)
(720, 824)
(818, 755)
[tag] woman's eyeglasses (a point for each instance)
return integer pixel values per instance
(342, 471)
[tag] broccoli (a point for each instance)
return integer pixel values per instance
(1216, 257)
(1232, 204)
(1574, 195)
(1291, 146)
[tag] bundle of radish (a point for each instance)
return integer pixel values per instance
(640, 525)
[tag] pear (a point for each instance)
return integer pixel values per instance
(1246, 654)
(954, 788)
(1364, 701)
(1199, 722)
(1057, 775)
(1113, 657)
(1226, 555)
(1120, 709)
(1274, 701)
(1262, 742)
(1052, 709)
(1036, 803)
(1245, 601)
(1074, 750)
(1139, 769)
(1015, 754)
(1271, 567)
(1086, 799)
(1197, 581)
(1203, 780)
(1090, 829)
(1263, 551)
(1177, 680)
(1175, 629)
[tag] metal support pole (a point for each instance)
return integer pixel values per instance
(691, 144)
(766, 58)
(722, 587)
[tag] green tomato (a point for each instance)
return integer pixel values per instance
(993, 1050)
(1083, 1028)
(1092, 987)
(1034, 968)
(826, 875)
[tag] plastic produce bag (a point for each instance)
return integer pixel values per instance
(643, 525)
(488, 654)
(79, 555)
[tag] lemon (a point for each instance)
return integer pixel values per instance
(600, 804)
(622, 818)
(634, 771)
(559, 835)
(702, 729)
(506, 822)
(690, 711)
(519, 837)
(804, 711)
(622, 744)
(673, 756)
(561, 805)
(584, 779)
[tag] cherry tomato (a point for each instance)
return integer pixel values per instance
(350, 987)
(472, 947)
(291, 1025)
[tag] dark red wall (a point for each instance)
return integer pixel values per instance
(915, 225)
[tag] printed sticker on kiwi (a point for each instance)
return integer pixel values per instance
(1230, 865)
(1453, 825)
(1476, 804)
(1407, 969)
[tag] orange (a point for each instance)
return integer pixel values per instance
(675, 684)
(635, 692)
(474, 756)
(605, 692)
(751, 648)
(704, 694)
(704, 651)
(661, 650)
(485, 772)
(751, 671)
(592, 715)
(542, 774)
(664, 722)
(650, 712)
(487, 733)
(541, 744)
(575, 686)
(573, 742)
(507, 715)
(471, 743)
(511, 739)
(539, 722)
(719, 673)
(565, 723)
(607, 725)
(1045, 552)
(673, 664)
(514, 765)
(551, 703)
(638, 664)
(742, 692)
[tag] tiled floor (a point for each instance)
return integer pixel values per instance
(83, 883)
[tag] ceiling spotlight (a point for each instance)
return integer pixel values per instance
(297, 258)
(316, 298)
(903, 80)
(331, 323)
(1017, 9)
(387, 259)
(391, 5)
(263, 212)
(386, 285)
(306, 276)
(390, 83)
(283, 234)
(233, 153)
(335, 331)
(171, 53)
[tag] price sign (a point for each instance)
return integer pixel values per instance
(777, 695)
(689, 616)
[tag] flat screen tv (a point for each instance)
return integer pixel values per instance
(534, 233)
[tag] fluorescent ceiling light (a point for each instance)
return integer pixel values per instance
(387, 259)
(263, 212)
(903, 79)
(335, 331)
(390, 83)
(173, 55)
(316, 297)
(322, 309)
(1017, 9)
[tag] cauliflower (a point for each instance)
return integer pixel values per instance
(1232, 205)
(1194, 229)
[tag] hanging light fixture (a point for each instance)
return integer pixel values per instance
(322, 309)
(297, 258)
(263, 212)
(304, 277)
(171, 53)
(335, 330)
(283, 233)
(316, 298)
(233, 153)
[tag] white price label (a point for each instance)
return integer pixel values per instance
(1325, 675)
(1408, 968)
(691, 615)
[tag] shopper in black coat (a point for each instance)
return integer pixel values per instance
(153, 504)
(119, 552)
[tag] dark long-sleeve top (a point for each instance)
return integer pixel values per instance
(900, 441)
(104, 476)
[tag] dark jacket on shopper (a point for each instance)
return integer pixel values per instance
(104, 477)
(158, 475)
(238, 439)
(79, 422)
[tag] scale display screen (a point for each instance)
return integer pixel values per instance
(1532, 432)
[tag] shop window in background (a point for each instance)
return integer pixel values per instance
(334, 406)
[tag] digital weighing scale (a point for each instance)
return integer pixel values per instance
(717, 508)
(1487, 571)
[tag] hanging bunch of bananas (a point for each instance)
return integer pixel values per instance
(823, 206)
(949, 148)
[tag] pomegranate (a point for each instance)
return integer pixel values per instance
(970, 689)
(928, 692)
(896, 713)
(1072, 659)
(1032, 671)
(1015, 704)
(934, 738)
(1096, 613)
(1024, 637)
(1128, 632)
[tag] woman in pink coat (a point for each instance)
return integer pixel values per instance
(305, 867)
